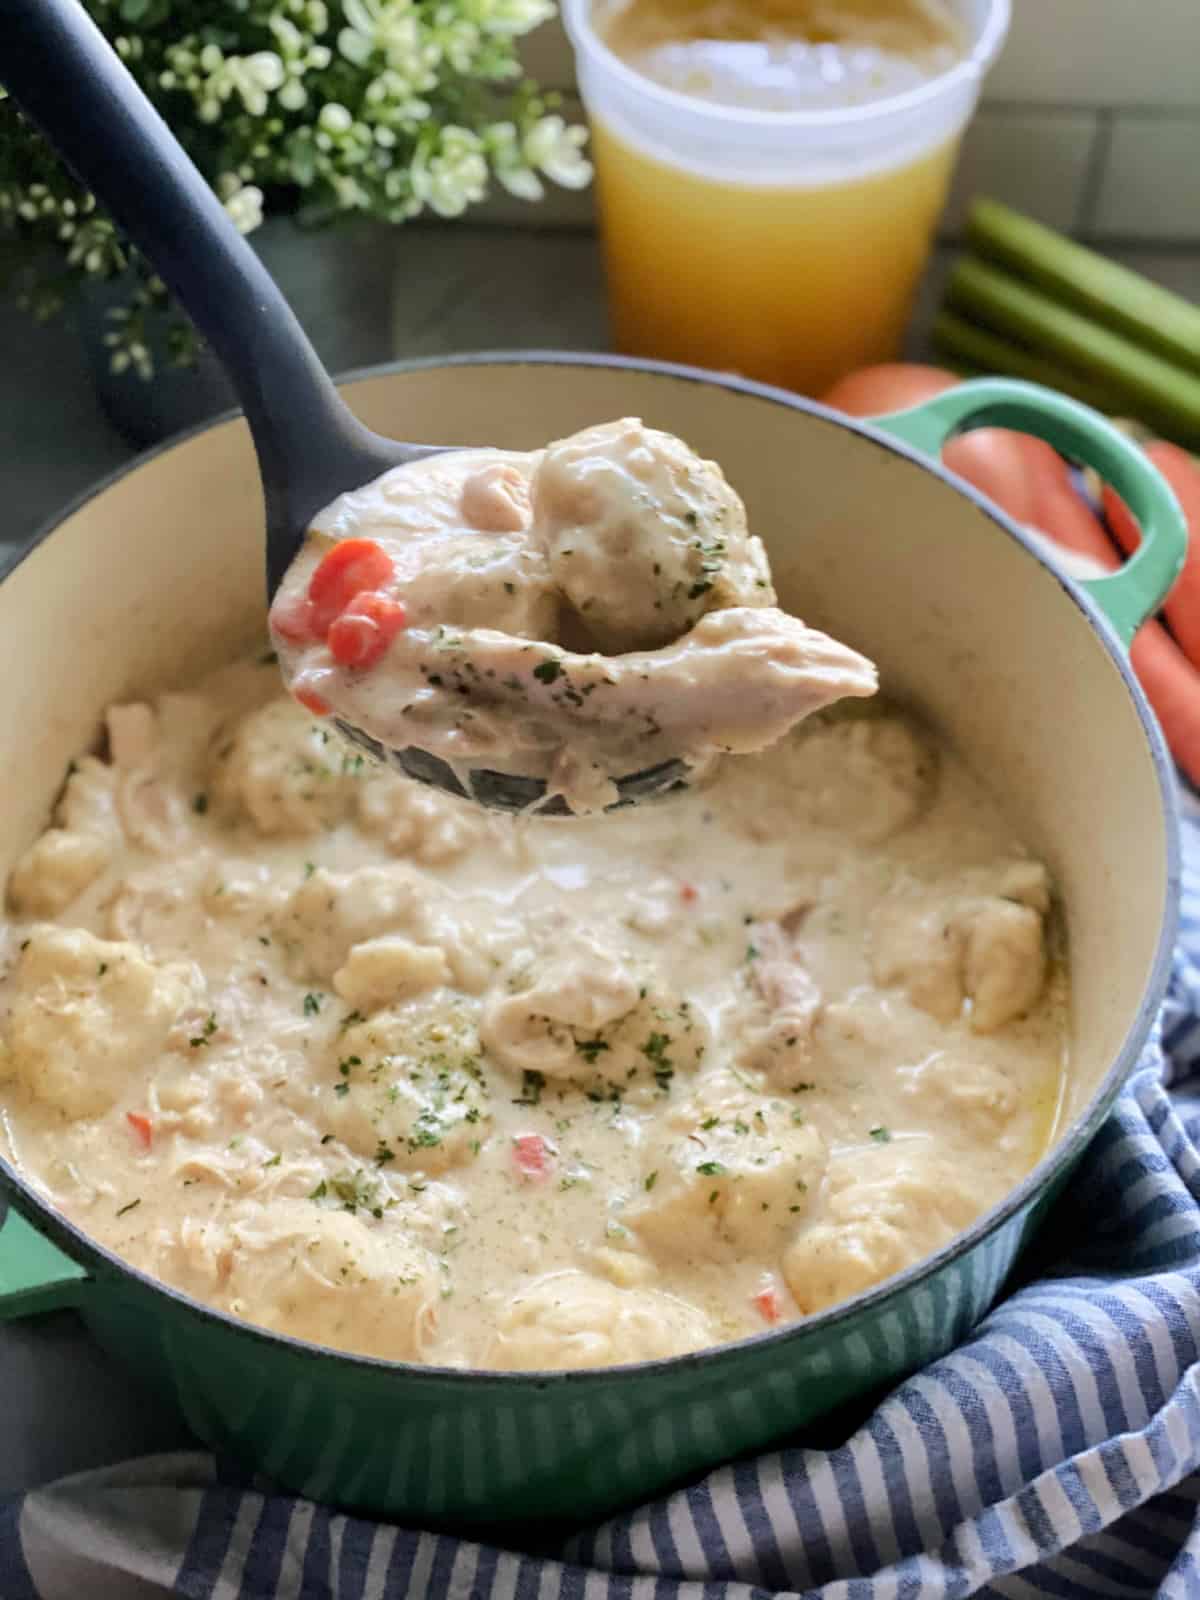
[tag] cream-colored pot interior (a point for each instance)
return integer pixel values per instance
(160, 576)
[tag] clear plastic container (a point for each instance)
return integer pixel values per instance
(782, 245)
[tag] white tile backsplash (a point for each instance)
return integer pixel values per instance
(1090, 122)
(1101, 52)
(1151, 180)
(1036, 160)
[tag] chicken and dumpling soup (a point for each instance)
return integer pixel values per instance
(361, 1063)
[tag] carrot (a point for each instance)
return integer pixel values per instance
(1061, 515)
(1183, 603)
(360, 637)
(1172, 686)
(142, 1126)
(311, 700)
(1170, 681)
(766, 1302)
(350, 568)
(532, 1155)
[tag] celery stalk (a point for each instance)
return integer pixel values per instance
(1115, 296)
(1164, 395)
(989, 352)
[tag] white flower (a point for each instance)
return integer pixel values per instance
(557, 151)
(335, 119)
(243, 202)
(453, 178)
(511, 17)
(391, 28)
(508, 163)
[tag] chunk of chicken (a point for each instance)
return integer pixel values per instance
(495, 499)
(642, 537)
(777, 1036)
(88, 1017)
(570, 1319)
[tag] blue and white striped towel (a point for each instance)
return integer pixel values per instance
(1057, 1453)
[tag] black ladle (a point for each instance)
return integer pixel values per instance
(311, 448)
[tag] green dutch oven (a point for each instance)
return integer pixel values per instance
(156, 576)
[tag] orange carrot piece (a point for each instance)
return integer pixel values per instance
(1170, 681)
(1172, 686)
(142, 1127)
(1183, 603)
(532, 1155)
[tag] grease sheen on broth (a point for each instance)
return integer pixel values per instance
(359, 1063)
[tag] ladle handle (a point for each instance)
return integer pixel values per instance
(63, 73)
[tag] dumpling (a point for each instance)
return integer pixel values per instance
(869, 777)
(943, 946)
(422, 824)
(409, 1088)
(642, 536)
(570, 1319)
(332, 911)
(882, 1209)
(380, 934)
(88, 1016)
(55, 870)
(320, 1273)
(280, 769)
(725, 1174)
(587, 1016)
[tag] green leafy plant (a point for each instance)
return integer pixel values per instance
(318, 109)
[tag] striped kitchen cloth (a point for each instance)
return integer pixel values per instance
(1056, 1453)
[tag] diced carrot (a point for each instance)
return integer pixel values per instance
(294, 619)
(311, 700)
(688, 893)
(1183, 603)
(766, 1302)
(360, 637)
(532, 1155)
(142, 1126)
(352, 566)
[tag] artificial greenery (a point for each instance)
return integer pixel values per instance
(320, 109)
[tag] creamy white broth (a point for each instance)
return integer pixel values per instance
(366, 1065)
(577, 614)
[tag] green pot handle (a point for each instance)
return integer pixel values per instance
(1137, 591)
(35, 1276)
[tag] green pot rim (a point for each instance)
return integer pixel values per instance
(83, 1250)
